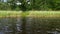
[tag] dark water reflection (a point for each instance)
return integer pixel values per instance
(33, 26)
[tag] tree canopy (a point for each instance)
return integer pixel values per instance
(30, 5)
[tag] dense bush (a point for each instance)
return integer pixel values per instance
(4, 6)
(31, 5)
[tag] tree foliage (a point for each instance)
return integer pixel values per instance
(31, 5)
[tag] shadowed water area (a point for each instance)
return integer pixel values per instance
(10, 25)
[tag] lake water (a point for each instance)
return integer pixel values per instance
(32, 26)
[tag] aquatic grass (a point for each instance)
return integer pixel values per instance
(41, 14)
(10, 13)
(45, 14)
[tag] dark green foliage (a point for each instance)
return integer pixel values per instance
(4, 6)
(33, 5)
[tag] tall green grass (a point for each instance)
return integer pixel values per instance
(42, 14)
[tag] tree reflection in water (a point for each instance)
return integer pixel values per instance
(14, 25)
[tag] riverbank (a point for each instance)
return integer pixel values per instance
(41, 14)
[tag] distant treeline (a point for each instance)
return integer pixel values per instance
(30, 5)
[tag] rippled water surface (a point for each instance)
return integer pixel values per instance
(32, 26)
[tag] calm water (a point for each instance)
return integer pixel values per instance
(32, 26)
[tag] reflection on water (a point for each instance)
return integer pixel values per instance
(33, 26)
